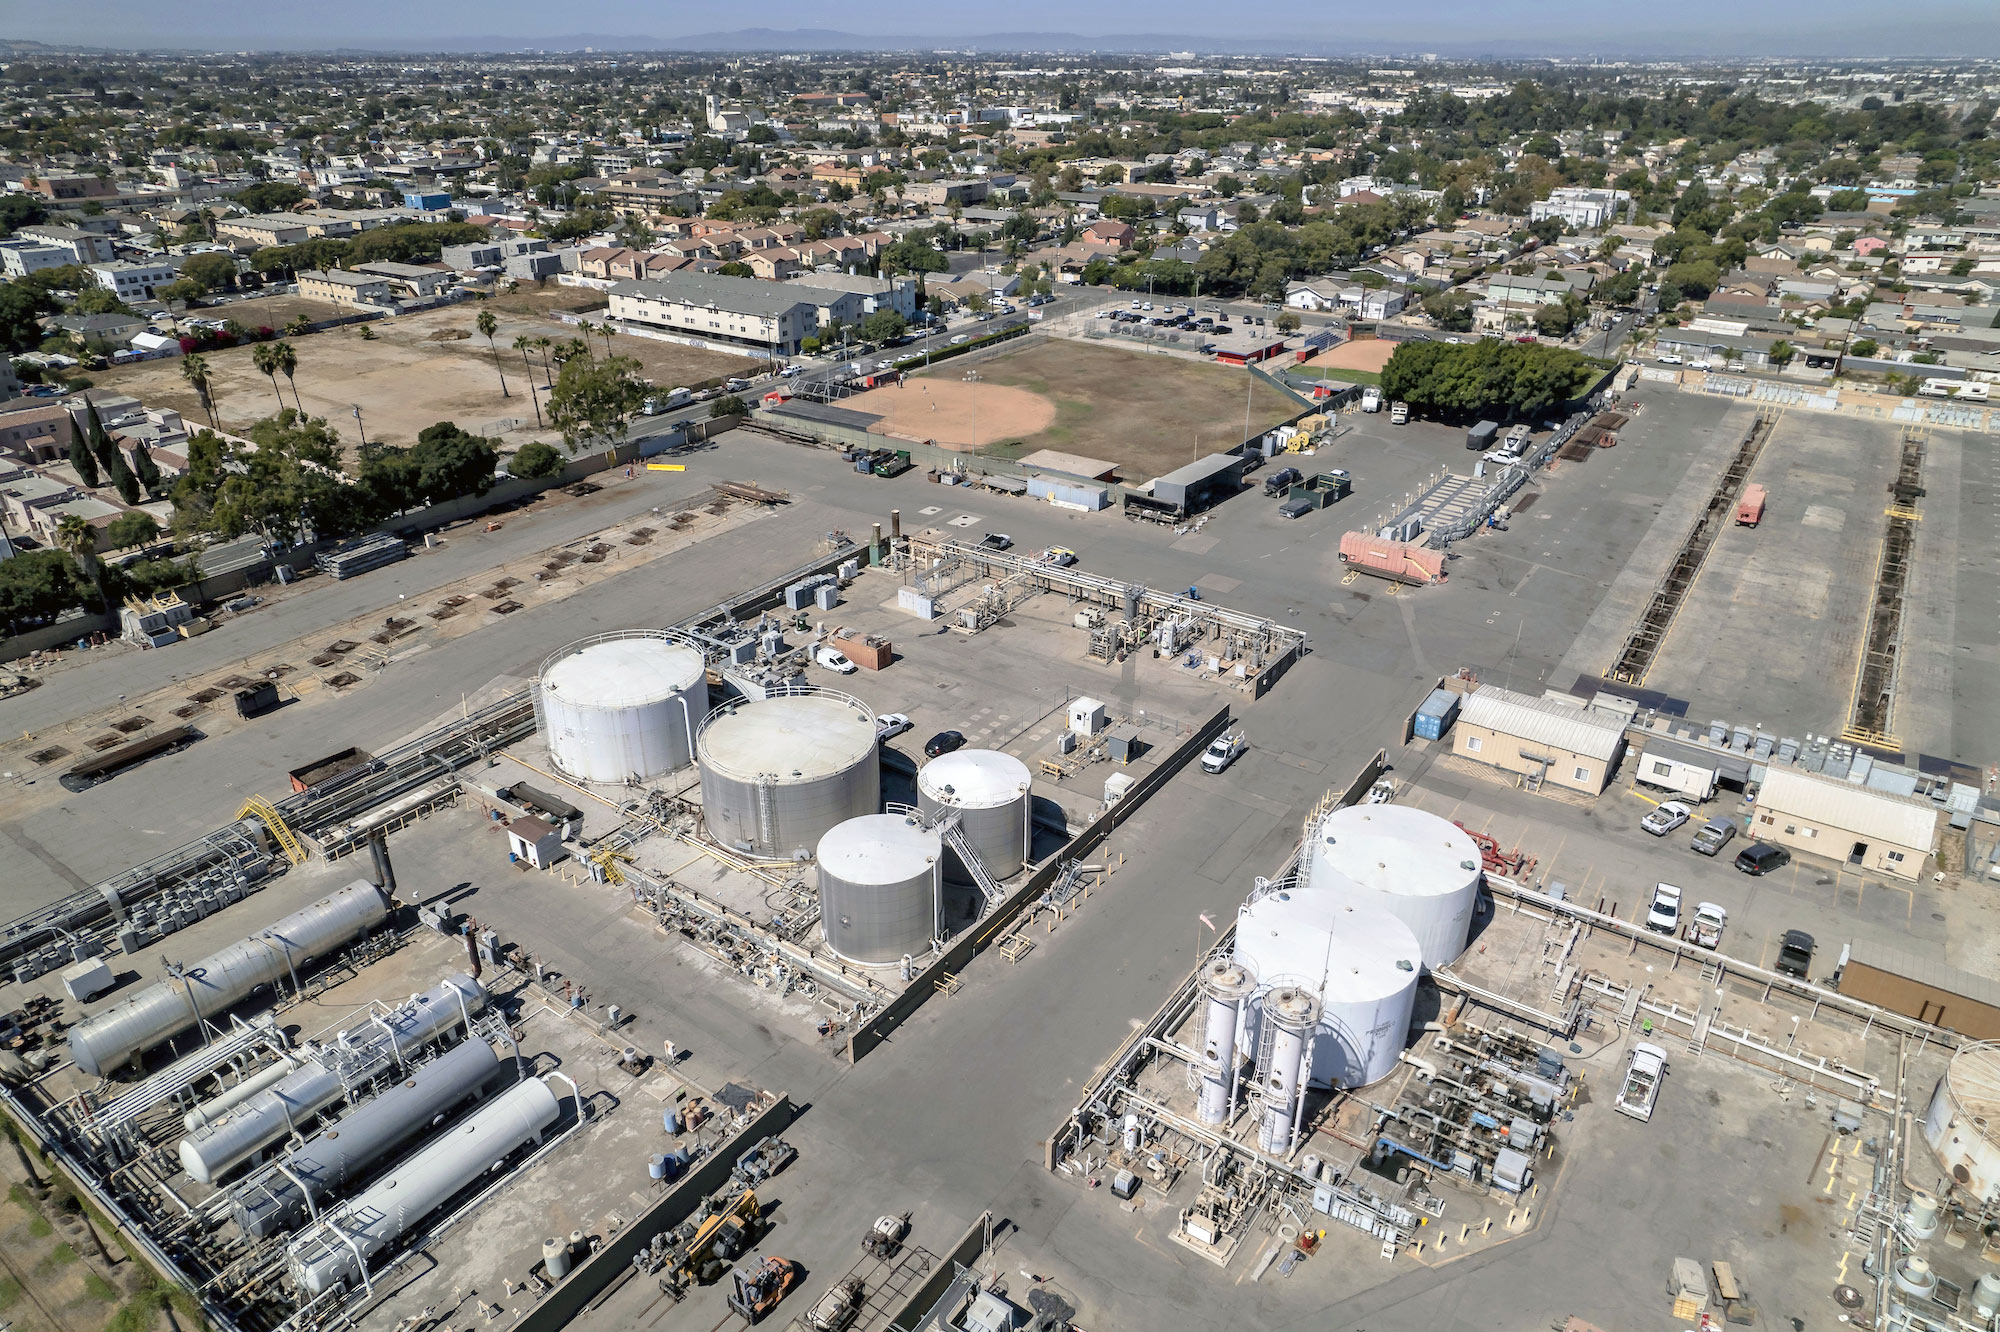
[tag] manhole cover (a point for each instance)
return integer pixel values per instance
(1847, 1297)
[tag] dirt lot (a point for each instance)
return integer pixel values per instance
(404, 378)
(1366, 354)
(1148, 414)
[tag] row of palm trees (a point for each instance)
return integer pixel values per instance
(272, 358)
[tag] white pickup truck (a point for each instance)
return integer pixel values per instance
(1224, 751)
(1664, 915)
(1704, 928)
(1643, 1072)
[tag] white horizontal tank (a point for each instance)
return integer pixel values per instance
(622, 706)
(880, 877)
(989, 791)
(1360, 961)
(1422, 869)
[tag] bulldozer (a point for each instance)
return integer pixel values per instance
(757, 1292)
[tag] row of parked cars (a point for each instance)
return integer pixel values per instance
(1704, 928)
(1712, 836)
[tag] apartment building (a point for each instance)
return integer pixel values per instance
(135, 280)
(341, 287)
(769, 316)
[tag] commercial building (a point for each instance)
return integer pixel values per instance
(413, 279)
(1844, 822)
(1580, 209)
(134, 281)
(340, 287)
(766, 315)
(83, 247)
(479, 254)
(18, 258)
(1541, 740)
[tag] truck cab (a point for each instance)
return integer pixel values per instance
(1399, 413)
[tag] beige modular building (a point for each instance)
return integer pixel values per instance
(1540, 740)
(339, 287)
(1844, 822)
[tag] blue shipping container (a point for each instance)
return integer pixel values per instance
(1436, 715)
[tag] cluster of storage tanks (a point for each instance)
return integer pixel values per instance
(787, 777)
(1321, 990)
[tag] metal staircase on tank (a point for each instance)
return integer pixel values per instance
(257, 807)
(953, 836)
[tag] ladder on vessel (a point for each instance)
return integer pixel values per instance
(257, 807)
(953, 836)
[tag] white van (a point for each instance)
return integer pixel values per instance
(833, 660)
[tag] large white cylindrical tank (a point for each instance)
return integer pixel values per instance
(1362, 962)
(778, 773)
(988, 790)
(1962, 1123)
(1422, 869)
(622, 706)
(880, 879)
(332, 1252)
(206, 989)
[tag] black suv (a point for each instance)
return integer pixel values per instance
(1762, 858)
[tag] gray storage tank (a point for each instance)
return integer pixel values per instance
(622, 706)
(988, 790)
(282, 1196)
(880, 879)
(212, 985)
(345, 1243)
(778, 773)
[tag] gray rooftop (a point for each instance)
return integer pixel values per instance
(738, 295)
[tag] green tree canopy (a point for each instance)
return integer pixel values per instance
(130, 529)
(593, 401)
(535, 459)
(1484, 378)
(40, 585)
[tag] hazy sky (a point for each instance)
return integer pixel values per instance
(1714, 27)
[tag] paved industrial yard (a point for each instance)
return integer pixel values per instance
(1002, 1061)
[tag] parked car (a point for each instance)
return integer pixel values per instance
(1795, 954)
(1060, 556)
(833, 660)
(1714, 835)
(889, 725)
(1668, 359)
(944, 742)
(997, 541)
(1762, 858)
(792, 371)
(1644, 1071)
(958, 338)
(1665, 817)
(1223, 751)
(1664, 915)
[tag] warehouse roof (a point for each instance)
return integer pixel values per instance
(1544, 721)
(1937, 975)
(738, 295)
(1856, 809)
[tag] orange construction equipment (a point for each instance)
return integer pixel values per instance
(756, 1293)
(1750, 509)
(1398, 561)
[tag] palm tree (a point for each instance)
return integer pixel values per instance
(521, 345)
(543, 344)
(286, 358)
(487, 324)
(265, 357)
(78, 538)
(194, 369)
(607, 332)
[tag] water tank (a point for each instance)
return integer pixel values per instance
(223, 979)
(989, 792)
(778, 773)
(880, 877)
(1422, 869)
(1962, 1124)
(333, 1252)
(622, 706)
(1359, 960)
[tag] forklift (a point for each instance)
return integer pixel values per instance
(756, 1293)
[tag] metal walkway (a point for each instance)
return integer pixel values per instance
(1872, 710)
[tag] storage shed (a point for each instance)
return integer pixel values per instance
(1200, 483)
(1919, 988)
(1540, 739)
(1845, 822)
(535, 841)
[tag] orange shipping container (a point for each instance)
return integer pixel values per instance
(1397, 560)
(871, 652)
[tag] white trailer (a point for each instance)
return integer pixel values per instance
(1682, 769)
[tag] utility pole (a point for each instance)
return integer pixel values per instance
(358, 426)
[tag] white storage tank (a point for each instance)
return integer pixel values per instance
(1962, 1124)
(880, 879)
(988, 790)
(1422, 869)
(778, 773)
(1360, 961)
(622, 706)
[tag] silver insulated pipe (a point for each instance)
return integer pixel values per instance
(203, 991)
(279, 1197)
(357, 1054)
(343, 1246)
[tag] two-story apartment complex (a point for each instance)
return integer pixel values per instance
(340, 287)
(769, 316)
